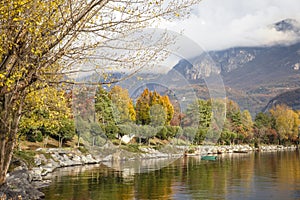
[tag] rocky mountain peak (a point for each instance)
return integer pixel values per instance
(288, 25)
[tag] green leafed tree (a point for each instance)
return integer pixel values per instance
(104, 111)
(66, 131)
(95, 131)
(264, 128)
(199, 115)
(103, 106)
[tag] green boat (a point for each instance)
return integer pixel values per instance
(207, 157)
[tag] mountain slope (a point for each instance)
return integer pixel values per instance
(290, 98)
(252, 75)
(271, 65)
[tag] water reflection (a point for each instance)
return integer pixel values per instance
(234, 176)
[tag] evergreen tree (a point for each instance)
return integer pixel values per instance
(264, 131)
(104, 112)
(103, 107)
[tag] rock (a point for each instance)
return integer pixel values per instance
(18, 168)
(39, 159)
(36, 174)
(18, 186)
(107, 158)
(76, 158)
(19, 164)
(41, 184)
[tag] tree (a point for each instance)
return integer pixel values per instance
(154, 109)
(177, 116)
(103, 107)
(148, 132)
(162, 132)
(41, 39)
(105, 115)
(264, 128)
(234, 116)
(122, 104)
(169, 109)
(45, 113)
(286, 122)
(161, 109)
(82, 128)
(66, 131)
(95, 131)
(199, 114)
(190, 133)
(247, 124)
(157, 115)
(143, 108)
(263, 120)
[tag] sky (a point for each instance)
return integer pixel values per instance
(221, 24)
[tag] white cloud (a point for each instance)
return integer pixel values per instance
(219, 24)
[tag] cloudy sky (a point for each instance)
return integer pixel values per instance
(219, 24)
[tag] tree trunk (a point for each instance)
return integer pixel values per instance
(10, 114)
(78, 140)
(46, 141)
(61, 140)
(7, 148)
(59, 143)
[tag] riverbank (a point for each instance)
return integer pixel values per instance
(25, 184)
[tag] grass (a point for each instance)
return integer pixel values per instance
(134, 148)
(26, 156)
(51, 143)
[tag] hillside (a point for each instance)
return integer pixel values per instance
(290, 98)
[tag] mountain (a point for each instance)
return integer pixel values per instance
(289, 98)
(268, 66)
(252, 75)
(244, 67)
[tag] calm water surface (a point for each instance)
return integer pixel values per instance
(273, 175)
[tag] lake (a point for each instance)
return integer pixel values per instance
(265, 175)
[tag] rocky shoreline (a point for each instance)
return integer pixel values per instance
(203, 150)
(23, 184)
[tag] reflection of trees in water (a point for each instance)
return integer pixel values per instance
(232, 176)
(215, 178)
(140, 166)
(281, 167)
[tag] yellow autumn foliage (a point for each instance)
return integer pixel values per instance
(46, 108)
(286, 122)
